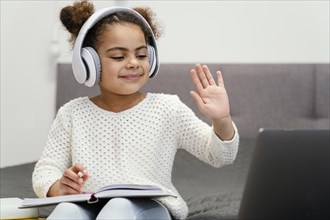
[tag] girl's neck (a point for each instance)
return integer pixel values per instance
(117, 103)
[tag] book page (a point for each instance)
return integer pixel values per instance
(129, 186)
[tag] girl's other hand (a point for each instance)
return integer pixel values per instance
(71, 182)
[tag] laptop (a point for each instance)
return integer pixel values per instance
(288, 177)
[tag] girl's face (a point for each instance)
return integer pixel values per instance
(124, 59)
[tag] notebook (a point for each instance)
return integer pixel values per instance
(288, 177)
(108, 191)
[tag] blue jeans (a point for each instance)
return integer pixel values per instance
(116, 208)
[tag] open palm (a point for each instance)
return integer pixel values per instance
(210, 97)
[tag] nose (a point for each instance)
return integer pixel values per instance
(133, 62)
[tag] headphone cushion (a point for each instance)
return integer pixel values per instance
(93, 65)
(152, 60)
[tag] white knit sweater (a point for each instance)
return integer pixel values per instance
(135, 145)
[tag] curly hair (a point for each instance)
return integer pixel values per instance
(73, 17)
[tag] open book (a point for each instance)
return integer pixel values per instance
(109, 191)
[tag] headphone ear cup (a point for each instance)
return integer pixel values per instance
(93, 65)
(152, 60)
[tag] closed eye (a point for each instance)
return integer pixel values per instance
(142, 57)
(118, 58)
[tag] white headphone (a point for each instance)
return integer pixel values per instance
(86, 63)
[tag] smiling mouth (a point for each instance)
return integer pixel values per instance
(132, 77)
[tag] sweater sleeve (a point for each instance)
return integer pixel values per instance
(199, 139)
(56, 156)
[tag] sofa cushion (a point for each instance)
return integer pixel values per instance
(322, 97)
(68, 88)
(270, 96)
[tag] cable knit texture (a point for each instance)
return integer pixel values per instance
(135, 145)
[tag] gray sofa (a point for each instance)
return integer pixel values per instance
(293, 96)
(261, 96)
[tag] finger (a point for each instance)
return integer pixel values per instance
(202, 77)
(83, 175)
(77, 168)
(199, 101)
(80, 171)
(72, 176)
(69, 186)
(72, 181)
(208, 75)
(196, 81)
(220, 79)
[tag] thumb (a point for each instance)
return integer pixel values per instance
(198, 100)
(80, 171)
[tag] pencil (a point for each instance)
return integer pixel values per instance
(80, 174)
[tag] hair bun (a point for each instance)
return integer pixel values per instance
(73, 17)
(150, 17)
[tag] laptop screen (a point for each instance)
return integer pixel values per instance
(288, 177)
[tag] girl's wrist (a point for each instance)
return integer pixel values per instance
(224, 128)
(53, 190)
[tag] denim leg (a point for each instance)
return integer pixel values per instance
(75, 211)
(133, 209)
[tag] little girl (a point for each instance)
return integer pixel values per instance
(123, 135)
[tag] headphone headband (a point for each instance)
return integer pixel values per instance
(78, 65)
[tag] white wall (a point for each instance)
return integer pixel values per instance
(195, 31)
(27, 79)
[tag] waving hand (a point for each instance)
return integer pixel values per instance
(212, 100)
